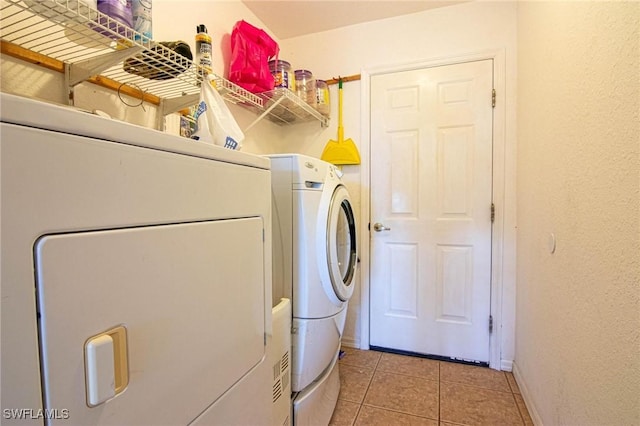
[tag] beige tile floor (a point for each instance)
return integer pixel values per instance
(388, 390)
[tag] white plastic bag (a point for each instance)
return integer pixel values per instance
(216, 125)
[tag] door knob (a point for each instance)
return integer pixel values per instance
(380, 227)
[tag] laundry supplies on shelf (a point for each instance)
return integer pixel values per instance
(142, 23)
(251, 50)
(74, 38)
(204, 62)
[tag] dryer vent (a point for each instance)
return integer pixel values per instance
(279, 357)
(277, 390)
(281, 377)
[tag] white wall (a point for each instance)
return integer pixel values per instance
(447, 32)
(578, 309)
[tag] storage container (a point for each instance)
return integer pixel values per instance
(306, 86)
(120, 14)
(281, 71)
(141, 10)
(64, 12)
(323, 102)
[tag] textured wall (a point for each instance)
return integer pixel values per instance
(578, 310)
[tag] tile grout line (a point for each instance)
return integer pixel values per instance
(398, 411)
(477, 386)
(439, 396)
(375, 368)
(357, 414)
(518, 407)
(513, 395)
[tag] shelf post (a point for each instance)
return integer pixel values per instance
(169, 106)
(264, 114)
(80, 71)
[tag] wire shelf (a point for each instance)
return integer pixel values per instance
(91, 44)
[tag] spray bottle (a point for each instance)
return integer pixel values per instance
(203, 51)
(142, 20)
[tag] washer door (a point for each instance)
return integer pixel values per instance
(341, 244)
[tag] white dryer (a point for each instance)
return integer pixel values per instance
(136, 274)
(315, 260)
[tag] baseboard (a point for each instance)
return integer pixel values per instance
(506, 365)
(351, 343)
(526, 396)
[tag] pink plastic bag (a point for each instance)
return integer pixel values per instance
(251, 50)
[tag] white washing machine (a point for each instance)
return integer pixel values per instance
(315, 260)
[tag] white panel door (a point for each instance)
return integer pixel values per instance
(431, 167)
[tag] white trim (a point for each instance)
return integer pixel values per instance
(350, 343)
(365, 216)
(506, 365)
(498, 181)
(526, 396)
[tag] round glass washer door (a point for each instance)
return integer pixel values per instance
(341, 244)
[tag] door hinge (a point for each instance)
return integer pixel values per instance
(490, 324)
(493, 212)
(493, 98)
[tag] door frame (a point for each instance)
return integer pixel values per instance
(498, 188)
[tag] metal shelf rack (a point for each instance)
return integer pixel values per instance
(88, 45)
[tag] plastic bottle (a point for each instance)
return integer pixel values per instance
(142, 19)
(306, 86)
(322, 97)
(281, 71)
(59, 14)
(93, 4)
(117, 10)
(203, 51)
